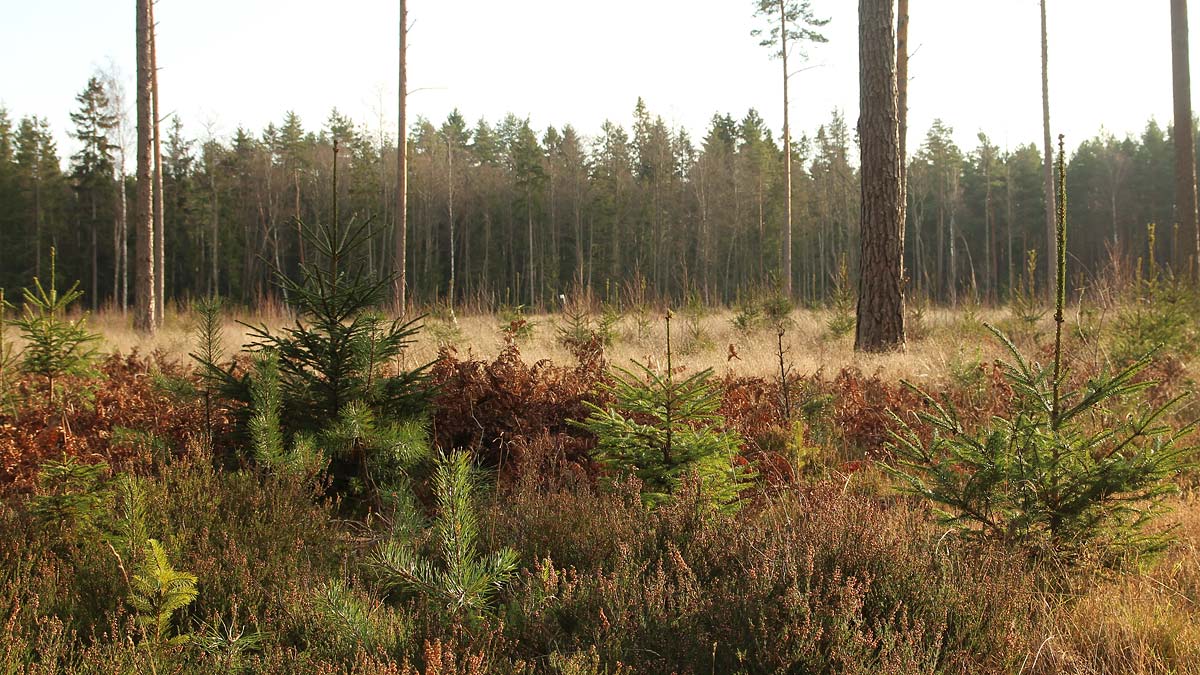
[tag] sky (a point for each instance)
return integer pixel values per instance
(226, 63)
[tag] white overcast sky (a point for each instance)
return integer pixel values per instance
(225, 63)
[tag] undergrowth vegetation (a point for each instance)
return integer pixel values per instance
(319, 502)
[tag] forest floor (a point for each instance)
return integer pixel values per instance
(947, 339)
(827, 568)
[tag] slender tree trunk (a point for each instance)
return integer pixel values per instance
(529, 224)
(953, 276)
(160, 276)
(989, 241)
(880, 325)
(399, 295)
(144, 305)
(787, 159)
(1008, 224)
(450, 209)
(214, 281)
(37, 207)
(1048, 167)
(95, 255)
(902, 107)
(1185, 162)
(119, 237)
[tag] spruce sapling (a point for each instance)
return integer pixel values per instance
(1067, 471)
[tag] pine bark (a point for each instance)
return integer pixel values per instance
(144, 287)
(1185, 160)
(787, 158)
(1048, 167)
(159, 230)
(881, 269)
(400, 284)
(902, 105)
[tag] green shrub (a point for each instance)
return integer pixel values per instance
(1026, 306)
(157, 592)
(843, 304)
(514, 324)
(8, 357)
(459, 578)
(1159, 314)
(71, 495)
(55, 347)
(660, 429)
(1065, 470)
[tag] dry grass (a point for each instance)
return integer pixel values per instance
(810, 347)
(1141, 623)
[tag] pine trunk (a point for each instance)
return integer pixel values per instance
(159, 231)
(1185, 162)
(787, 159)
(144, 287)
(881, 293)
(1048, 167)
(902, 106)
(399, 296)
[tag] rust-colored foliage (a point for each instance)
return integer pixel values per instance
(124, 396)
(510, 413)
(861, 409)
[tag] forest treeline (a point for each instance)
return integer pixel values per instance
(503, 213)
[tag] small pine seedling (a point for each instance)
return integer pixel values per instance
(55, 346)
(460, 578)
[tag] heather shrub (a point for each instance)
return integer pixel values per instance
(823, 583)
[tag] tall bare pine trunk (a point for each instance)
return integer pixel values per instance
(1048, 167)
(1185, 160)
(902, 106)
(399, 295)
(144, 287)
(160, 277)
(787, 157)
(881, 265)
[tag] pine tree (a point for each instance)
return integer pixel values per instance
(459, 577)
(337, 362)
(55, 346)
(661, 429)
(1065, 471)
(157, 592)
(93, 165)
(797, 24)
